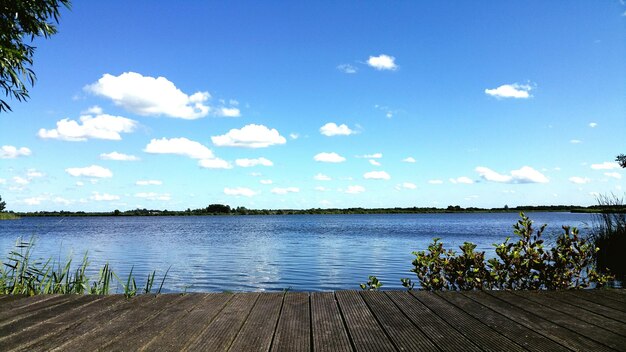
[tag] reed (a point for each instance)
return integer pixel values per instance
(609, 235)
(21, 274)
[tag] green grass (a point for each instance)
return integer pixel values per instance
(22, 274)
(8, 216)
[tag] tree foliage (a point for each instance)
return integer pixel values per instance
(3, 205)
(21, 21)
(621, 159)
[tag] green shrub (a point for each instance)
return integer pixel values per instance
(523, 264)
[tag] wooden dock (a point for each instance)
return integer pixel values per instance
(326, 321)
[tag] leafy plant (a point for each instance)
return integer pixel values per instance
(372, 284)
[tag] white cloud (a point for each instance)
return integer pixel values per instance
(61, 200)
(354, 189)
(331, 129)
(347, 68)
(94, 110)
(526, 174)
(150, 96)
(80, 184)
(376, 175)
(32, 173)
(256, 174)
(33, 200)
(435, 182)
(613, 175)
(607, 165)
(575, 141)
(102, 126)
(371, 156)
(409, 160)
(153, 196)
(406, 185)
(179, 146)
(515, 90)
(329, 158)
(374, 162)
(11, 152)
(215, 163)
(149, 183)
(294, 136)
(90, 171)
(382, 62)
(253, 162)
(249, 136)
(321, 189)
(2, 181)
(239, 191)
(230, 112)
(322, 177)
(266, 182)
(285, 190)
(118, 156)
(103, 197)
(579, 180)
(592, 124)
(463, 180)
(21, 181)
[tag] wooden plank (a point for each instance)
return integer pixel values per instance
(542, 326)
(614, 294)
(35, 332)
(599, 299)
(107, 330)
(590, 306)
(404, 335)
(329, 332)
(24, 307)
(437, 330)
(23, 321)
(545, 298)
(181, 332)
(293, 332)
(219, 335)
(365, 332)
(137, 335)
(473, 329)
(590, 331)
(518, 333)
(257, 332)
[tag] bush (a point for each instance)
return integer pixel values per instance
(524, 264)
(609, 235)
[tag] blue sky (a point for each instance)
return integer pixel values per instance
(321, 104)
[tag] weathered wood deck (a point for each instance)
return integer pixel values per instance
(329, 321)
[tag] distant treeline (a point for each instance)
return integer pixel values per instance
(221, 209)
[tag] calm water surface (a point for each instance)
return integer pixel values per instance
(267, 253)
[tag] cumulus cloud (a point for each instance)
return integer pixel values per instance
(382, 62)
(33, 200)
(347, 68)
(118, 156)
(515, 90)
(322, 177)
(579, 180)
(526, 174)
(331, 129)
(239, 191)
(607, 165)
(149, 183)
(103, 197)
(214, 163)
(153, 196)
(376, 175)
(90, 171)
(371, 156)
(230, 112)
(253, 162)
(406, 185)
(94, 110)
(278, 190)
(102, 126)
(33, 173)
(409, 159)
(592, 124)
(575, 141)
(463, 180)
(374, 162)
(11, 152)
(616, 175)
(249, 136)
(294, 136)
(21, 180)
(179, 146)
(266, 182)
(321, 189)
(354, 189)
(329, 158)
(149, 96)
(435, 182)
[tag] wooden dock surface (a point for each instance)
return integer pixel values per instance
(585, 320)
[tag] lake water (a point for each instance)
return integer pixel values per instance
(267, 253)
